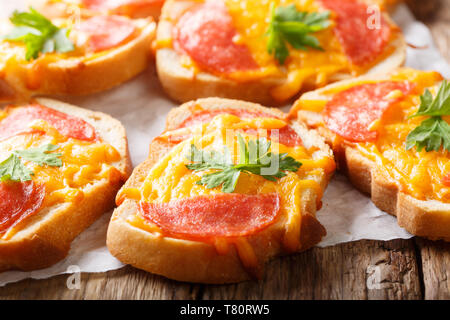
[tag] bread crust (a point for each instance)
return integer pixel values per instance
(175, 78)
(194, 261)
(426, 218)
(45, 237)
(76, 76)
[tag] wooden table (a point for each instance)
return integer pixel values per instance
(398, 269)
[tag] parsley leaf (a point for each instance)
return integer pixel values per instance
(434, 131)
(431, 134)
(204, 160)
(38, 34)
(15, 170)
(41, 155)
(254, 158)
(439, 106)
(292, 26)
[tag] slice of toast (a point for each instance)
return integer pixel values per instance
(197, 261)
(44, 238)
(66, 74)
(176, 75)
(421, 217)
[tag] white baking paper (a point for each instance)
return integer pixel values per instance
(142, 107)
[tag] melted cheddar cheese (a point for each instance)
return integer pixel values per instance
(418, 174)
(170, 179)
(84, 164)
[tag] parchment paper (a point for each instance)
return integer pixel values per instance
(142, 107)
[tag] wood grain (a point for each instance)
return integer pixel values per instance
(345, 271)
(357, 270)
(435, 262)
(125, 283)
(436, 15)
(434, 257)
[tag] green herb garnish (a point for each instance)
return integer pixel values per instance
(434, 131)
(287, 24)
(15, 170)
(255, 158)
(38, 34)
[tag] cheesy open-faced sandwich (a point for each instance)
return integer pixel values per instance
(61, 167)
(130, 8)
(269, 51)
(228, 186)
(390, 133)
(70, 56)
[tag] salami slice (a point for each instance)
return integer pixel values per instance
(208, 115)
(209, 216)
(206, 34)
(18, 123)
(446, 180)
(351, 112)
(106, 32)
(19, 200)
(362, 33)
(286, 135)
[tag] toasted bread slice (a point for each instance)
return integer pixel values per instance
(427, 218)
(197, 261)
(74, 73)
(132, 8)
(44, 238)
(177, 74)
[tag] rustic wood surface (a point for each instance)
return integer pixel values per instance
(398, 269)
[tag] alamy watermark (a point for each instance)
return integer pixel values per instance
(374, 17)
(74, 280)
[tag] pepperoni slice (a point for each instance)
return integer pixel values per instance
(19, 119)
(106, 32)
(219, 215)
(19, 200)
(208, 115)
(286, 135)
(361, 42)
(351, 112)
(206, 34)
(289, 137)
(446, 180)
